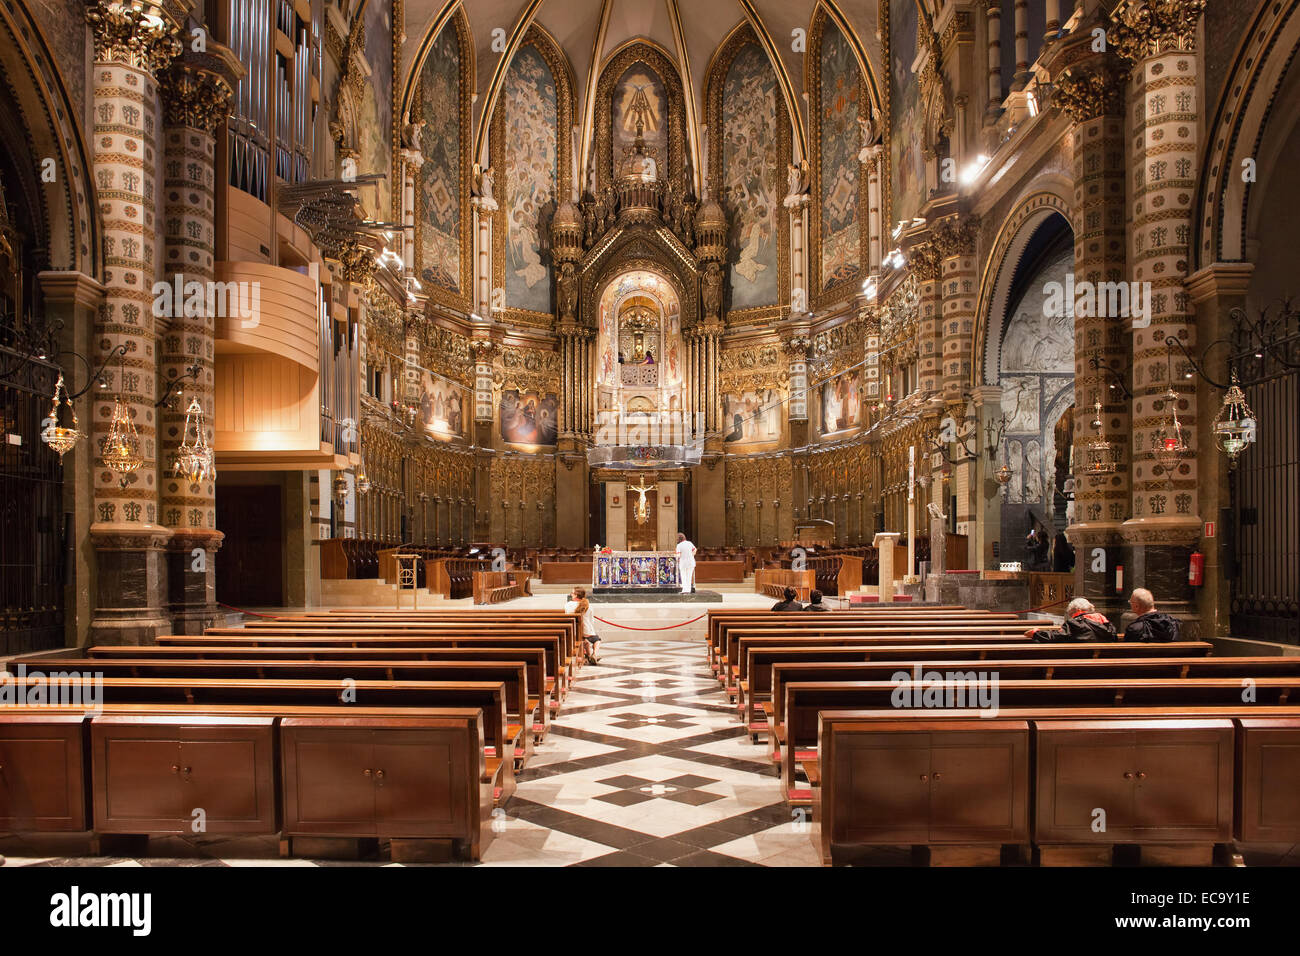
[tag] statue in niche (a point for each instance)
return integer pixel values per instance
(796, 179)
(567, 284)
(411, 130)
(869, 128)
(711, 283)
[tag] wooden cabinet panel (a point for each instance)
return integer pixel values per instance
(415, 797)
(884, 780)
(979, 786)
(326, 787)
(388, 777)
(150, 774)
(930, 782)
(1156, 781)
(42, 774)
(1268, 780)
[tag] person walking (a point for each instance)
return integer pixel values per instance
(686, 563)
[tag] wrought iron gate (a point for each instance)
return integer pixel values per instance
(1265, 531)
(32, 521)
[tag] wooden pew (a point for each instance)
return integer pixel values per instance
(555, 667)
(797, 734)
(521, 706)
(757, 664)
(738, 640)
(500, 736)
(1175, 781)
(263, 769)
(533, 659)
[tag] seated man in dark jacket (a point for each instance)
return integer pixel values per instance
(815, 602)
(789, 604)
(1083, 622)
(1150, 624)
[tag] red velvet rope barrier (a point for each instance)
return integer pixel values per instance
(668, 628)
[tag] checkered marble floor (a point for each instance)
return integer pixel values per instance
(645, 766)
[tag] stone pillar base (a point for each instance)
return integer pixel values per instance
(130, 585)
(1099, 550)
(191, 580)
(1158, 556)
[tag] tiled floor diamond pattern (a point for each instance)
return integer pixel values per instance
(646, 765)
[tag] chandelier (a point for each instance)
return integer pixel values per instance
(1171, 446)
(1003, 475)
(1100, 452)
(61, 439)
(194, 459)
(1234, 426)
(363, 483)
(120, 449)
(340, 490)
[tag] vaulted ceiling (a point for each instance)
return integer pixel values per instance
(689, 31)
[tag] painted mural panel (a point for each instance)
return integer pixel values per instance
(529, 418)
(639, 98)
(842, 404)
(753, 416)
(440, 176)
(375, 124)
(838, 147)
(905, 122)
(749, 178)
(442, 407)
(531, 151)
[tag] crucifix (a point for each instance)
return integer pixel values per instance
(642, 511)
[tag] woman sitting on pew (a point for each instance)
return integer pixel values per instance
(1083, 622)
(578, 604)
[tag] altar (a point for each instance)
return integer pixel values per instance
(635, 571)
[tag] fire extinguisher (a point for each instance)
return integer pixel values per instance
(1196, 570)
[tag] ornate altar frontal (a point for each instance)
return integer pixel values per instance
(635, 571)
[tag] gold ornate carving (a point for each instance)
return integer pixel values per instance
(131, 36)
(196, 98)
(640, 52)
(752, 369)
(529, 369)
(956, 236)
(924, 262)
(1142, 28)
(1087, 94)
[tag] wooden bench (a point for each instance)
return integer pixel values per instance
(533, 658)
(493, 587)
(1174, 781)
(145, 769)
(738, 640)
(558, 668)
(756, 666)
(796, 733)
(521, 706)
(774, 581)
(720, 621)
(500, 736)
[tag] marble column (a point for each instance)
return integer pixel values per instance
(128, 535)
(1158, 38)
(1092, 96)
(993, 11)
(195, 103)
(795, 345)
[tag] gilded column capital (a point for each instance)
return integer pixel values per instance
(1143, 28)
(131, 35)
(923, 261)
(193, 97)
(956, 236)
(1086, 94)
(356, 260)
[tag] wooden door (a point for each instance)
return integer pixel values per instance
(1085, 783)
(228, 772)
(42, 776)
(136, 778)
(885, 779)
(1268, 782)
(1183, 782)
(414, 796)
(328, 780)
(979, 786)
(250, 564)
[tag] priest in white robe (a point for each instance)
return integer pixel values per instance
(686, 564)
